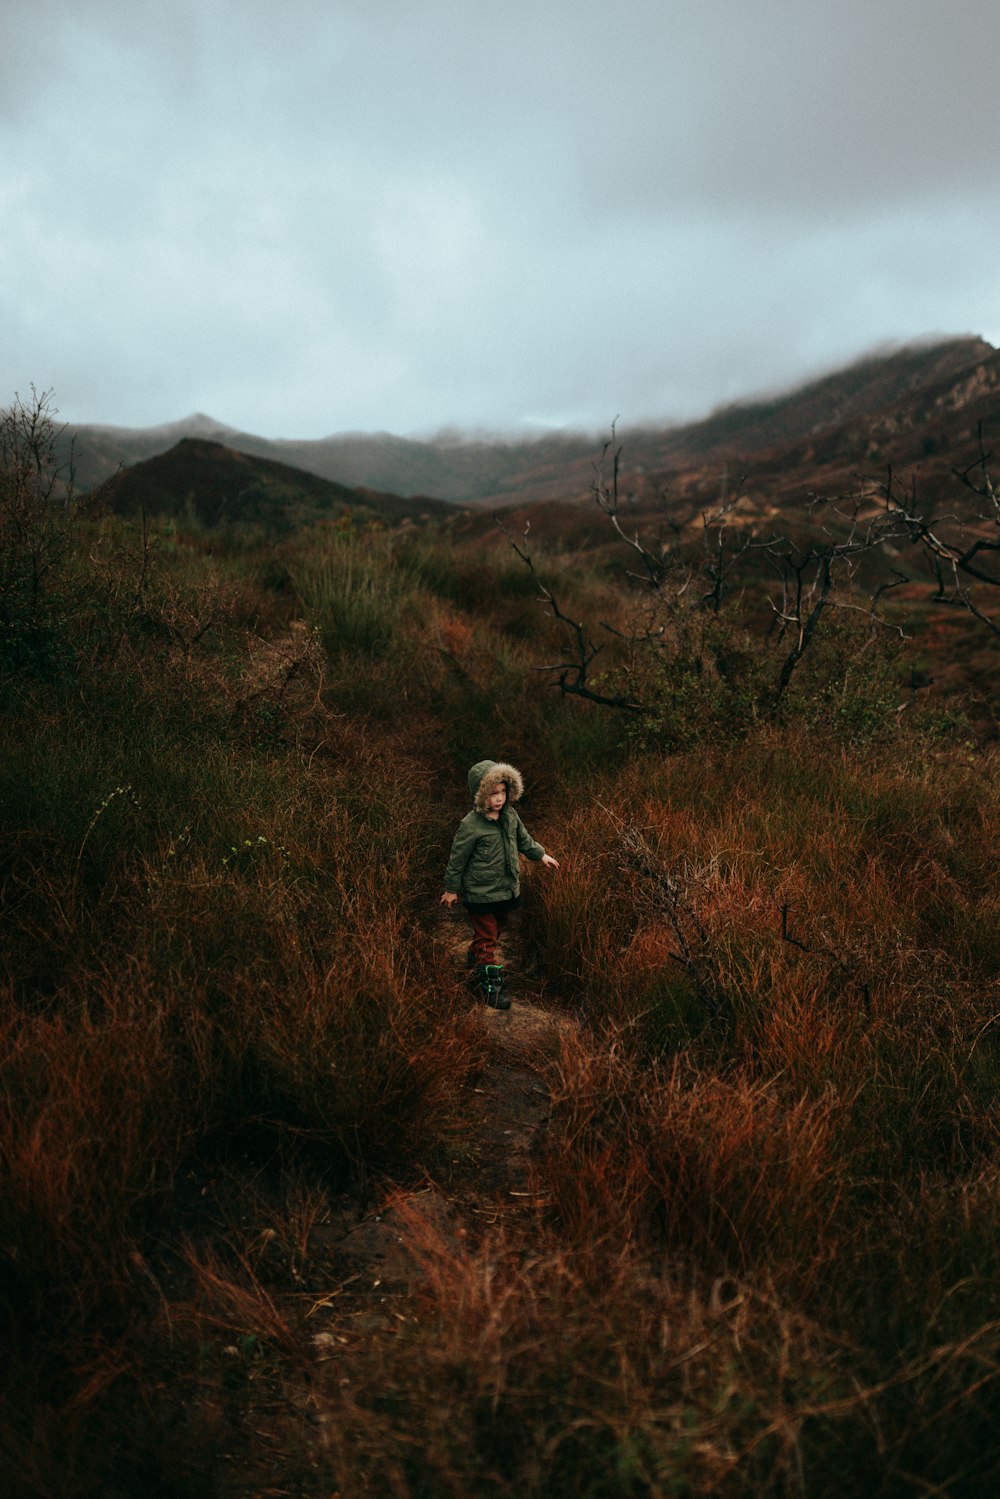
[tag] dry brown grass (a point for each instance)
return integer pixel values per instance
(762, 1253)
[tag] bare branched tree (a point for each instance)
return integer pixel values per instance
(36, 499)
(573, 674)
(825, 574)
(704, 555)
(606, 491)
(962, 548)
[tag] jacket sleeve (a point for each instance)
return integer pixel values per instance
(528, 846)
(461, 852)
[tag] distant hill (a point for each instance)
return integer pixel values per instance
(907, 407)
(916, 409)
(455, 468)
(215, 483)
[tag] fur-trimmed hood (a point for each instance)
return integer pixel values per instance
(484, 864)
(487, 776)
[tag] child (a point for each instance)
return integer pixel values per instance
(484, 868)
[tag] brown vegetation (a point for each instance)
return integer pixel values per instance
(754, 1247)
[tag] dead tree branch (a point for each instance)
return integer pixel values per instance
(572, 679)
(848, 965)
(607, 495)
(668, 895)
(957, 560)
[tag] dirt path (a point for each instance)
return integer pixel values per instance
(509, 1104)
(363, 1271)
(505, 1108)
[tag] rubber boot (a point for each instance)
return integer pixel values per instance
(487, 981)
(496, 996)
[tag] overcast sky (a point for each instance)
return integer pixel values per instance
(331, 215)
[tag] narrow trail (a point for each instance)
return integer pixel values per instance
(360, 1275)
(371, 1267)
(510, 1102)
(504, 1110)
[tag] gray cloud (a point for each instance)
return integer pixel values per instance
(377, 214)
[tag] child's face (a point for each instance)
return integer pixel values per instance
(497, 799)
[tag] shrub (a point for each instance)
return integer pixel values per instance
(354, 590)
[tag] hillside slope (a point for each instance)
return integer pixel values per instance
(214, 483)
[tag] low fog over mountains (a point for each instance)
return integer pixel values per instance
(909, 407)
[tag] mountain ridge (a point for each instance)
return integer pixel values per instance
(942, 387)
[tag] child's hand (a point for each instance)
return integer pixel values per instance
(548, 859)
(449, 899)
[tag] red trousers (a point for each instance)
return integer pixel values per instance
(486, 929)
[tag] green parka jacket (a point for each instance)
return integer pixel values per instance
(483, 867)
